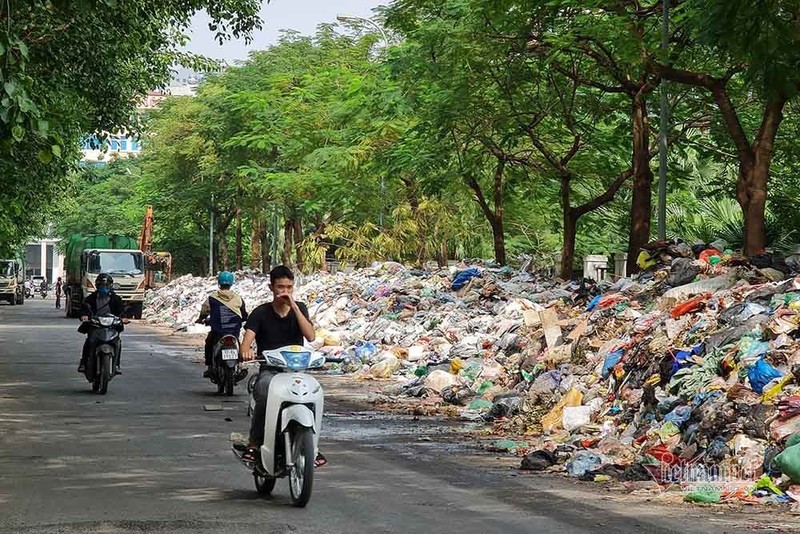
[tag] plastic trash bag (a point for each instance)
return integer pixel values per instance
(789, 407)
(789, 462)
(679, 416)
(464, 277)
(554, 417)
(365, 351)
(611, 360)
(761, 374)
(576, 416)
(538, 460)
(682, 271)
(582, 462)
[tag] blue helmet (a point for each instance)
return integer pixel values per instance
(225, 278)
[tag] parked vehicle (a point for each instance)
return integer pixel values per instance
(12, 281)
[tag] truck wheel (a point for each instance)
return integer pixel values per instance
(137, 310)
(68, 305)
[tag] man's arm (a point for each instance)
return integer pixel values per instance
(205, 309)
(246, 348)
(86, 309)
(306, 328)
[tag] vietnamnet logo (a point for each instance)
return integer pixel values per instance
(698, 475)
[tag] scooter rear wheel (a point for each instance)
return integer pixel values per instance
(230, 381)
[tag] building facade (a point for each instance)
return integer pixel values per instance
(42, 258)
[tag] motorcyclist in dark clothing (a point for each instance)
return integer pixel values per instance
(101, 302)
(224, 311)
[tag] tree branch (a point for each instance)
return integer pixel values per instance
(607, 195)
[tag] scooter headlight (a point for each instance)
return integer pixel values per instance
(106, 321)
(296, 361)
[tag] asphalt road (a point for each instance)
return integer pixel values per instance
(147, 457)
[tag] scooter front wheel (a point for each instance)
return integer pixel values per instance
(301, 476)
(264, 484)
(105, 373)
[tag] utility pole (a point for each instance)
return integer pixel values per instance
(352, 19)
(211, 239)
(663, 131)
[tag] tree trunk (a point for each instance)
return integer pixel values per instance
(641, 205)
(255, 243)
(570, 222)
(751, 187)
(755, 232)
(223, 249)
(297, 229)
(442, 256)
(288, 231)
(239, 259)
(263, 237)
(568, 250)
(499, 240)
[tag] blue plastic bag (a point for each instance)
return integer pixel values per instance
(464, 277)
(679, 415)
(761, 374)
(593, 303)
(365, 351)
(681, 358)
(611, 360)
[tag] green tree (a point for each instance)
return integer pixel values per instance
(72, 67)
(745, 55)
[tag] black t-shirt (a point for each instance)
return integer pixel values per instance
(273, 331)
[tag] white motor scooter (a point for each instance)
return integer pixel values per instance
(292, 424)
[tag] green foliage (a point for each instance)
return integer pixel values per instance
(72, 67)
(484, 122)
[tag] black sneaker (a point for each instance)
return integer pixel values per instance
(207, 373)
(117, 371)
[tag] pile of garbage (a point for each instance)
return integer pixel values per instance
(687, 373)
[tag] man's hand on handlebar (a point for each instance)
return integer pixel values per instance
(247, 354)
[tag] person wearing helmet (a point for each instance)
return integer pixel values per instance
(102, 301)
(224, 311)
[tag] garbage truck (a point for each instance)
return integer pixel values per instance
(118, 255)
(12, 281)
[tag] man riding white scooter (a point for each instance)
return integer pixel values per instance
(278, 323)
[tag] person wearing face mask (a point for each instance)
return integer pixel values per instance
(102, 302)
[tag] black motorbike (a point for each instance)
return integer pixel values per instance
(105, 349)
(225, 368)
(28, 292)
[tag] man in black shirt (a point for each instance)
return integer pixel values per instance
(272, 325)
